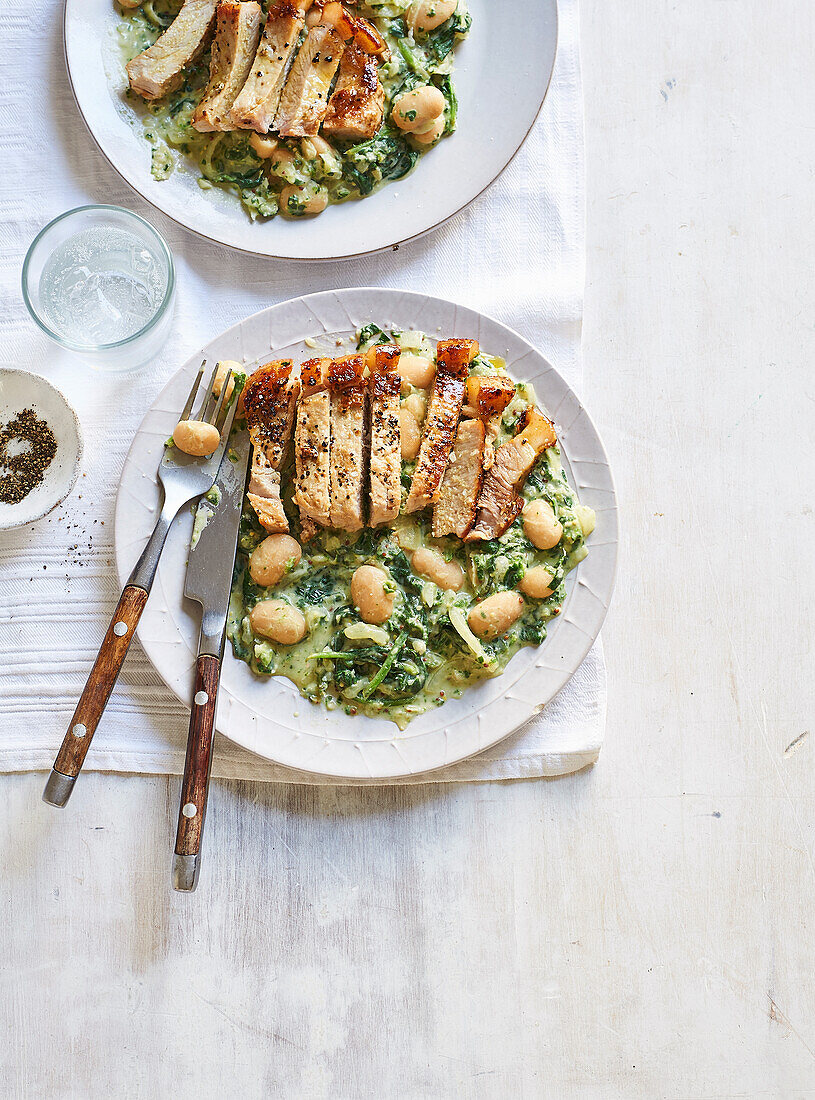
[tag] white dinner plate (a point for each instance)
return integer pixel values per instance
(502, 72)
(268, 715)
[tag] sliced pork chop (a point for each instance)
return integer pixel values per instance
(487, 396)
(357, 104)
(499, 502)
(257, 104)
(160, 69)
(455, 510)
(453, 358)
(386, 443)
(312, 448)
(348, 390)
(237, 33)
(304, 101)
(264, 494)
(269, 399)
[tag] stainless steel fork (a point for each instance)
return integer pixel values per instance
(183, 478)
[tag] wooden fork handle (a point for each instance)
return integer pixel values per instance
(197, 766)
(93, 700)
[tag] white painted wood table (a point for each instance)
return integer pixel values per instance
(637, 930)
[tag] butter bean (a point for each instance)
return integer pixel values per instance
(278, 621)
(426, 15)
(272, 559)
(411, 434)
(430, 563)
(196, 438)
(536, 582)
(416, 370)
(369, 595)
(541, 526)
(415, 110)
(495, 615)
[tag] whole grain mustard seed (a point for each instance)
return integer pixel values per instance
(23, 470)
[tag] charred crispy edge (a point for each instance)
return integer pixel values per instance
(264, 387)
(384, 384)
(314, 375)
(489, 395)
(346, 372)
(357, 85)
(455, 356)
(386, 357)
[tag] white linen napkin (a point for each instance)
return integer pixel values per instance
(517, 253)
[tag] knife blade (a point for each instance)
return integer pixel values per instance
(212, 554)
(209, 582)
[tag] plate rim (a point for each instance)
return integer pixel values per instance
(390, 247)
(602, 599)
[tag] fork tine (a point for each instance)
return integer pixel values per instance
(185, 415)
(206, 404)
(213, 419)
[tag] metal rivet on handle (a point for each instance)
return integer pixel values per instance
(189, 809)
(120, 629)
(201, 697)
(79, 730)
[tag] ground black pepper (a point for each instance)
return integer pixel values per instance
(23, 471)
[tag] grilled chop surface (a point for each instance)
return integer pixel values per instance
(348, 390)
(386, 444)
(237, 33)
(357, 104)
(304, 101)
(257, 103)
(160, 69)
(455, 510)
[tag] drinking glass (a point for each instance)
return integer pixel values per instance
(100, 281)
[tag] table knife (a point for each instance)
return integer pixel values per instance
(209, 582)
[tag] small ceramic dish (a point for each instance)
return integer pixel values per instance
(21, 390)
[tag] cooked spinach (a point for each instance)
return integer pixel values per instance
(385, 157)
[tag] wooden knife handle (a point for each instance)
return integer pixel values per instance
(197, 766)
(94, 698)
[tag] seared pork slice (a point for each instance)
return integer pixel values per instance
(269, 399)
(386, 443)
(312, 448)
(453, 358)
(160, 69)
(256, 106)
(237, 33)
(487, 397)
(455, 510)
(264, 494)
(348, 400)
(305, 96)
(356, 107)
(499, 502)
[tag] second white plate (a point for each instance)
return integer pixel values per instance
(269, 716)
(501, 76)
